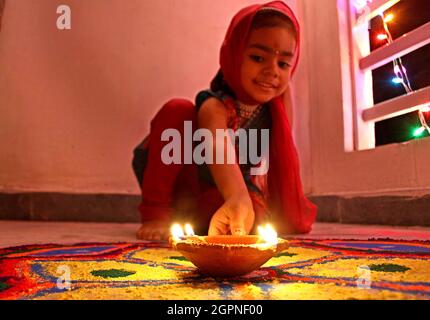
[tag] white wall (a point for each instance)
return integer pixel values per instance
(74, 103)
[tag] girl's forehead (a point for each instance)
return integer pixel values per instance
(276, 38)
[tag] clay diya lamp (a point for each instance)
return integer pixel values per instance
(227, 255)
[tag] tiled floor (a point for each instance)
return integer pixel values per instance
(14, 233)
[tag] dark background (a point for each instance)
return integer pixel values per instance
(408, 15)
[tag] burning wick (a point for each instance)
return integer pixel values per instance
(268, 234)
(178, 234)
(189, 230)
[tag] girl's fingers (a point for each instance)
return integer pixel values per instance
(213, 230)
(237, 223)
(216, 227)
(219, 222)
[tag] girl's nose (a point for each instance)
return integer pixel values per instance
(271, 69)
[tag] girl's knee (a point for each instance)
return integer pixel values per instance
(173, 114)
(178, 109)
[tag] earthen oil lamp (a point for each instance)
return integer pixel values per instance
(227, 255)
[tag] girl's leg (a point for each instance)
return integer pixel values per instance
(159, 179)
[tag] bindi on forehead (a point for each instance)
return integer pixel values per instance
(276, 40)
(273, 51)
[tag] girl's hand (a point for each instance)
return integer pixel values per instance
(236, 217)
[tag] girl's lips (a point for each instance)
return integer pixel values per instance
(265, 86)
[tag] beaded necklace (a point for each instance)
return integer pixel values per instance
(247, 112)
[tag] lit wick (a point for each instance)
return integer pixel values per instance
(178, 233)
(189, 230)
(268, 234)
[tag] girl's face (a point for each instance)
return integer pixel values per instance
(267, 62)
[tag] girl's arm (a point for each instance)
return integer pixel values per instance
(236, 215)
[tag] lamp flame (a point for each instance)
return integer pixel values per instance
(177, 232)
(268, 234)
(189, 230)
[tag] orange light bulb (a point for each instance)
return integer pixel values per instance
(389, 18)
(382, 36)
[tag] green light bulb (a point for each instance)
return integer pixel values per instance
(418, 131)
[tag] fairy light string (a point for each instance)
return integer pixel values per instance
(401, 74)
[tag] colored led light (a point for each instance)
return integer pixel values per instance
(419, 131)
(389, 18)
(397, 80)
(382, 36)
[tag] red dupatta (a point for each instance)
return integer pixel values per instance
(286, 197)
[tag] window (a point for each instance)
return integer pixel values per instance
(376, 107)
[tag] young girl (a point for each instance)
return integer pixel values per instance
(258, 56)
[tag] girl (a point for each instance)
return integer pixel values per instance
(258, 56)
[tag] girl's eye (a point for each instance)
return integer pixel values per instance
(284, 65)
(256, 58)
